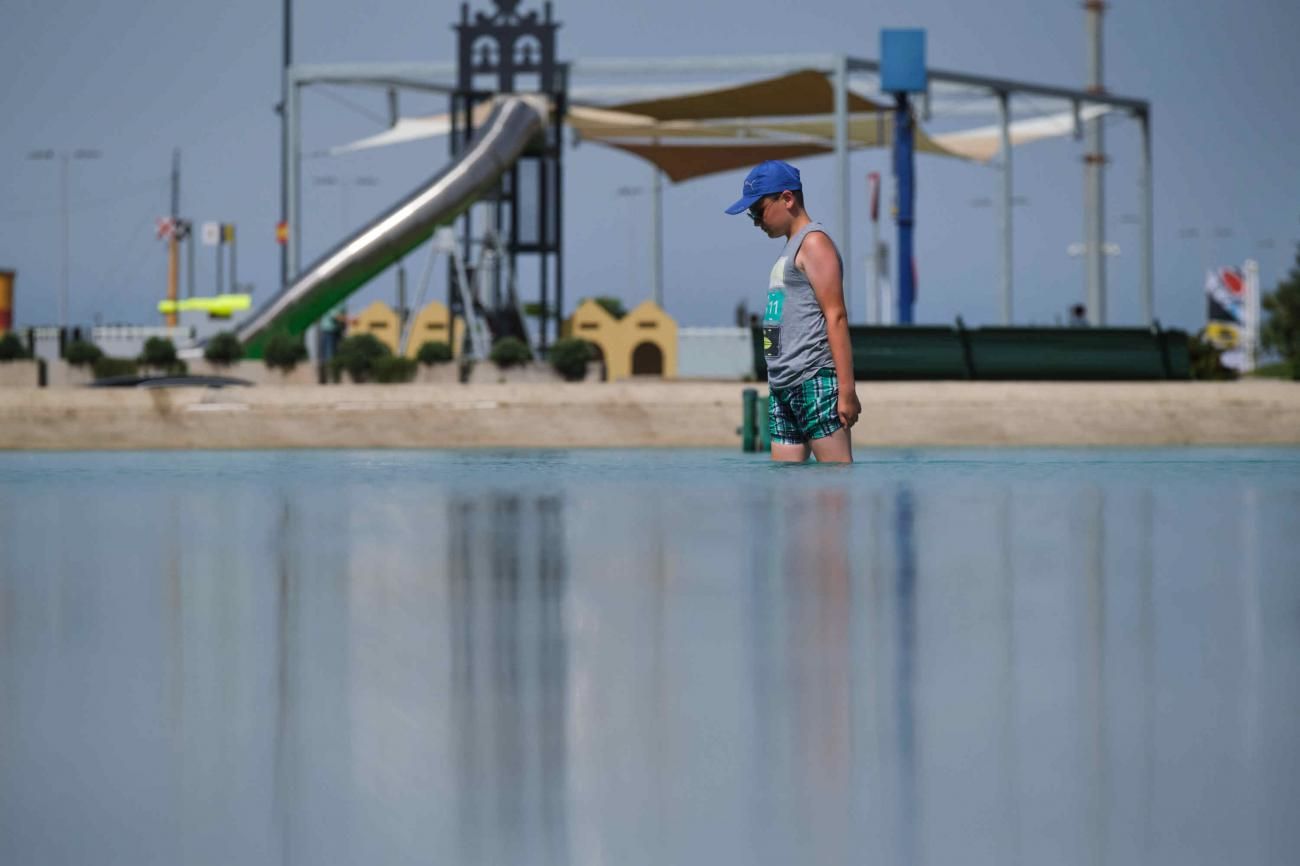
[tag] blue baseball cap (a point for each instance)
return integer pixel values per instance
(767, 178)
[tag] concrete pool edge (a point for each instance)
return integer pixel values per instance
(641, 414)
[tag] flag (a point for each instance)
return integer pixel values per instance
(1225, 298)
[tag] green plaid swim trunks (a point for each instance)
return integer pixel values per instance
(809, 410)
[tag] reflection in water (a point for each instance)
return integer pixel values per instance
(285, 610)
(506, 579)
(1093, 656)
(905, 602)
(921, 661)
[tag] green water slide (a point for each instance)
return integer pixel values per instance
(323, 285)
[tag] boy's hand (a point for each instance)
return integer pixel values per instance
(849, 407)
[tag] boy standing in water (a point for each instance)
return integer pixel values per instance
(813, 400)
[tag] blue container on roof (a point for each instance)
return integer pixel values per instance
(902, 61)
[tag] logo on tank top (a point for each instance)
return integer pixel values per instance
(775, 307)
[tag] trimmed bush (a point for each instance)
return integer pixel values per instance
(82, 353)
(1281, 327)
(284, 352)
(433, 352)
(223, 349)
(569, 357)
(1206, 360)
(357, 355)
(12, 348)
(612, 305)
(392, 368)
(510, 352)
(107, 367)
(158, 352)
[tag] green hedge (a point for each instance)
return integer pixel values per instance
(82, 353)
(357, 356)
(12, 348)
(510, 352)
(107, 367)
(158, 352)
(224, 349)
(433, 352)
(284, 352)
(569, 357)
(392, 368)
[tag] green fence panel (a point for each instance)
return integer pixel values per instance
(1066, 353)
(916, 352)
(929, 352)
(1177, 354)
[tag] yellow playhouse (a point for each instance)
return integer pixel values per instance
(642, 343)
(430, 324)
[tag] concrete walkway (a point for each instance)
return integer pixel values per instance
(640, 414)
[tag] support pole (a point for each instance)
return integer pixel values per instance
(66, 221)
(173, 277)
(285, 87)
(1147, 277)
(903, 167)
(173, 242)
(1094, 186)
(748, 420)
(1004, 107)
(844, 237)
(293, 243)
(873, 311)
(657, 237)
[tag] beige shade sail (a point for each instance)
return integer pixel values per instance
(983, 143)
(794, 95)
(787, 117)
(685, 161)
(688, 149)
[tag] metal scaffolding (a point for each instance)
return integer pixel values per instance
(607, 80)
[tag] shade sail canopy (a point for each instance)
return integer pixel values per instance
(685, 161)
(799, 93)
(983, 143)
(786, 117)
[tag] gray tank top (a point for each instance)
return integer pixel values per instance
(794, 328)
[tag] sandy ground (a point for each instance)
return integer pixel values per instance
(639, 414)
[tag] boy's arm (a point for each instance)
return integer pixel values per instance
(819, 262)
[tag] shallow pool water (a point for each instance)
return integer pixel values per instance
(627, 657)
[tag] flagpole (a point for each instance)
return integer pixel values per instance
(873, 280)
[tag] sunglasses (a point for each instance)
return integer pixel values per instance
(758, 208)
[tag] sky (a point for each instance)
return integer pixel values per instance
(137, 78)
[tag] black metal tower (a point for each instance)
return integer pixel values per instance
(507, 51)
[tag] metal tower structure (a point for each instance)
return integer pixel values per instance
(508, 51)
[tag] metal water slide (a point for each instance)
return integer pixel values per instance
(502, 138)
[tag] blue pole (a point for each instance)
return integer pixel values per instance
(903, 173)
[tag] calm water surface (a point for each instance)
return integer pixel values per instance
(933, 657)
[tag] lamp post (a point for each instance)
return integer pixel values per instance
(1007, 202)
(344, 183)
(630, 192)
(64, 157)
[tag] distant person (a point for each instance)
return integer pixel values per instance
(332, 331)
(813, 400)
(1078, 316)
